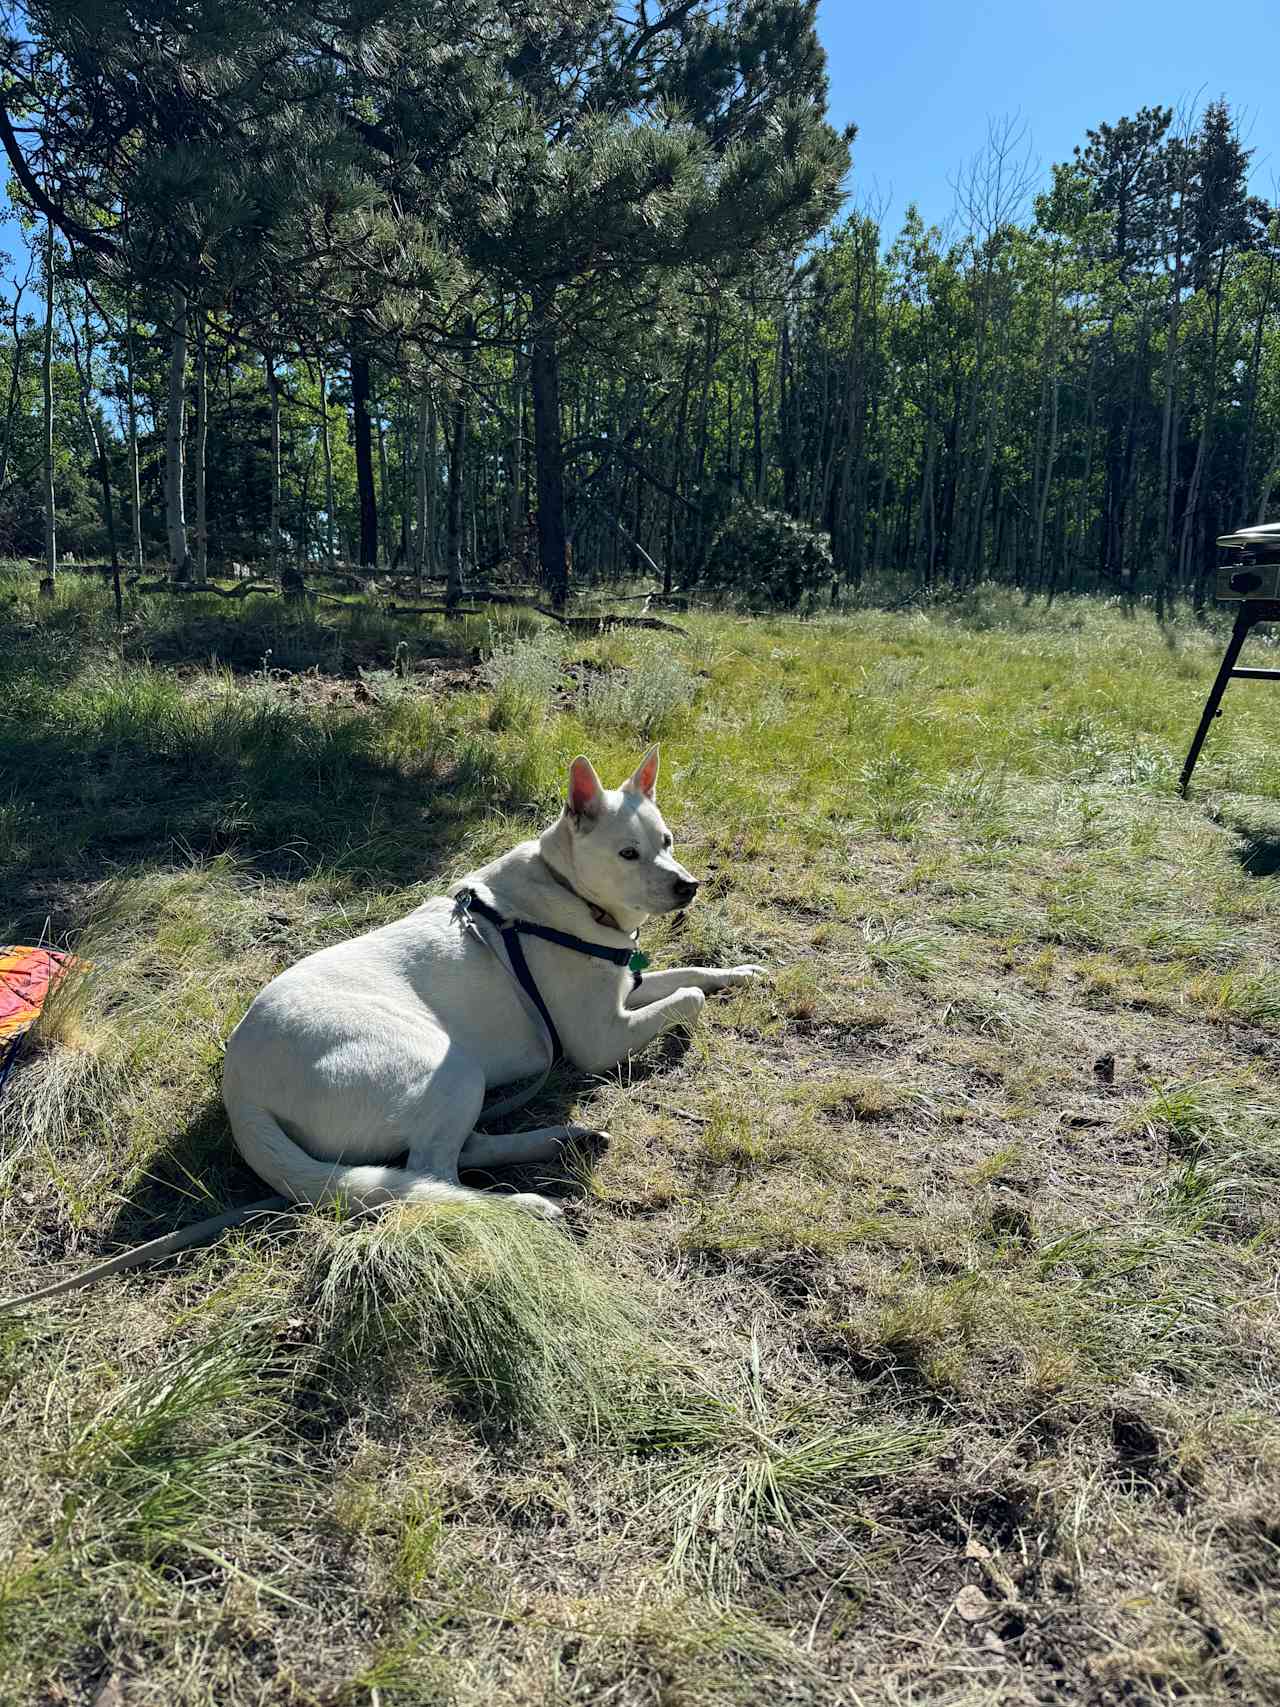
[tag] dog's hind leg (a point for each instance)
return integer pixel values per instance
(450, 1141)
(513, 1149)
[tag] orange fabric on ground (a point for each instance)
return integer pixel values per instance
(26, 976)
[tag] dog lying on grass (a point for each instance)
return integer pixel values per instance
(387, 1044)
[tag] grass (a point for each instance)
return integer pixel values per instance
(915, 1340)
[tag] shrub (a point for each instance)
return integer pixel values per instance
(523, 671)
(767, 558)
(643, 702)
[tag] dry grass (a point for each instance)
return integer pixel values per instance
(916, 1340)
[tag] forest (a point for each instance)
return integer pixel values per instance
(577, 294)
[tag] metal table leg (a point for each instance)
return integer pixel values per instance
(1244, 622)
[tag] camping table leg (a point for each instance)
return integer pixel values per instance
(1244, 622)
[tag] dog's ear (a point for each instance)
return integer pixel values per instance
(645, 779)
(586, 795)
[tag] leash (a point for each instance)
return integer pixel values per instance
(516, 966)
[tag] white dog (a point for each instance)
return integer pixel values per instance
(387, 1044)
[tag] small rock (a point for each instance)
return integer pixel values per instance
(972, 1605)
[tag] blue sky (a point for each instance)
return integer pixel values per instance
(922, 78)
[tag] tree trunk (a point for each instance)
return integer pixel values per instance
(199, 450)
(1255, 365)
(384, 490)
(425, 451)
(135, 481)
(677, 472)
(544, 374)
(273, 398)
(1191, 513)
(516, 507)
(46, 380)
(433, 484)
(457, 475)
(787, 446)
(363, 432)
(15, 377)
(97, 440)
(327, 451)
(174, 485)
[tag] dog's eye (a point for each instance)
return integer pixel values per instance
(629, 853)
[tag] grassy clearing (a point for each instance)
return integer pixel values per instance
(916, 1340)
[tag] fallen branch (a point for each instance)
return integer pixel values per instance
(607, 620)
(432, 610)
(241, 590)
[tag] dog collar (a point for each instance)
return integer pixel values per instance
(602, 918)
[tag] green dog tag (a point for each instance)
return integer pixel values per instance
(638, 962)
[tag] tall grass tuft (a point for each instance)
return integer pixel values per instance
(171, 1456)
(739, 1468)
(516, 1322)
(523, 671)
(648, 699)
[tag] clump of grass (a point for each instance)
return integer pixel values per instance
(895, 791)
(519, 1325)
(678, 1648)
(898, 951)
(648, 699)
(860, 1096)
(979, 799)
(127, 1489)
(1187, 1116)
(739, 1468)
(153, 952)
(1253, 997)
(992, 1013)
(169, 1457)
(523, 671)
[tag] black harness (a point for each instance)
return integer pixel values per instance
(466, 902)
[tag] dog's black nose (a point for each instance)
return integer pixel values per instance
(686, 889)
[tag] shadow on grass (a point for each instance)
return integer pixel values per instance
(111, 762)
(1257, 850)
(380, 799)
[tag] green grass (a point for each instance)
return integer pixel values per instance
(947, 1259)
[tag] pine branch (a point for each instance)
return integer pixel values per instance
(66, 223)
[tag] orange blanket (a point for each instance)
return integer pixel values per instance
(26, 977)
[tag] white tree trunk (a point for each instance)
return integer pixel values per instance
(327, 448)
(135, 482)
(202, 439)
(174, 484)
(46, 377)
(273, 394)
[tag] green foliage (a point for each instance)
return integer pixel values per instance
(763, 557)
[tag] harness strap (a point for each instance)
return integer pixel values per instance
(512, 930)
(520, 966)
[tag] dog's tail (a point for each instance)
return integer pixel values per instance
(274, 1157)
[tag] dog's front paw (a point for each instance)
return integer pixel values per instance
(733, 977)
